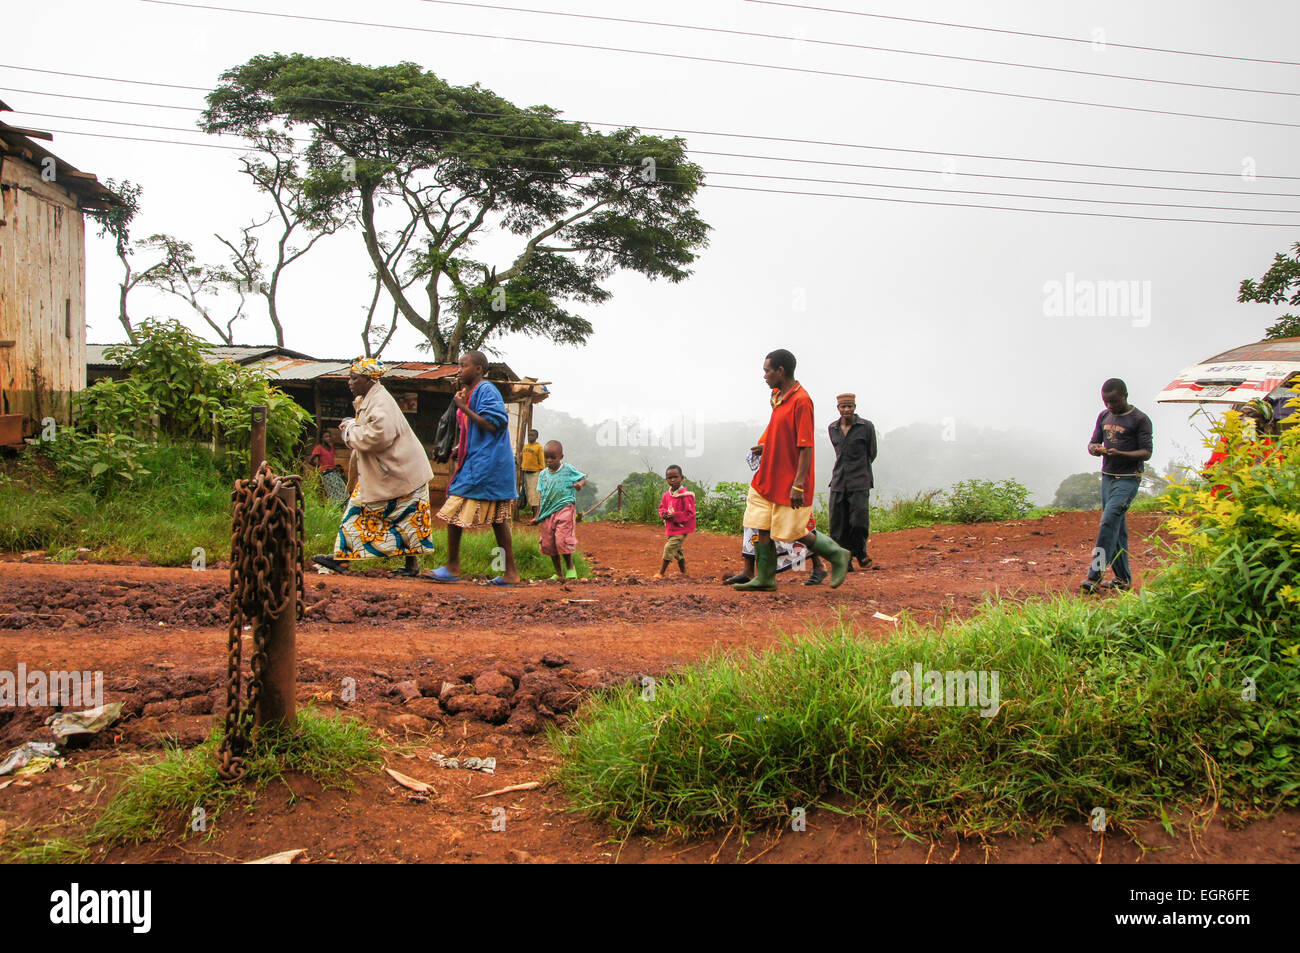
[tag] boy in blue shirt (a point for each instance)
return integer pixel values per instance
(557, 509)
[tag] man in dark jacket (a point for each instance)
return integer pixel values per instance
(854, 440)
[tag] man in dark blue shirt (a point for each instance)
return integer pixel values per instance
(1122, 438)
(854, 440)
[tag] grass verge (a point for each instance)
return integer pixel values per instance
(1098, 708)
(183, 504)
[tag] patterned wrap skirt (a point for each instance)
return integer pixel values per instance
(398, 527)
(467, 513)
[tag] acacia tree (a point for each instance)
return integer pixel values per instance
(1280, 285)
(276, 173)
(560, 206)
(181, 273)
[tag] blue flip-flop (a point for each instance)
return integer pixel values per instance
(439, 575)
(499, 581)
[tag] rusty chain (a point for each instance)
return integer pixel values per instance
(266, 536)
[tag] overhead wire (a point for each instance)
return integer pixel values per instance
(858, 46)
(691, 132)
(632, 51)
(754, 175)
(839, 195)
(1022, 33)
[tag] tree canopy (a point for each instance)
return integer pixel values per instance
(1280, 285)
(503, 218)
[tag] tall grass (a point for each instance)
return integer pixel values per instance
(1091, 716)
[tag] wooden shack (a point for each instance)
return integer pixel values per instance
(422, 390)
(42, 281)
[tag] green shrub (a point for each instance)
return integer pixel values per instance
(909, 512)
(97, 461)
(721, 509)
(986, 501)
(171, 391)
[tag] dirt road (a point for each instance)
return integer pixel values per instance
(159, 637)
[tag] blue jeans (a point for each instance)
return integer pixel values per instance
(1117, 494)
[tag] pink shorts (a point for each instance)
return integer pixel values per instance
(558, 532)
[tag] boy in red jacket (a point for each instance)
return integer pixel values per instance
(677, 509)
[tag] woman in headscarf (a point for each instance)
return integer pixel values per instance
(483, 487)
(388, 514)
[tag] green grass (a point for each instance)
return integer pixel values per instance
(160, 797)
(1100, 708)
(184, 504)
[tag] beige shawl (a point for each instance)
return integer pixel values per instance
(391, 461)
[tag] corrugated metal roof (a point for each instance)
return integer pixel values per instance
(1279, 349)
(285, 365)
(238, 353)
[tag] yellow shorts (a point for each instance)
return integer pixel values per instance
(785, 523)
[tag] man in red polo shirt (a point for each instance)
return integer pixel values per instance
(780, 495)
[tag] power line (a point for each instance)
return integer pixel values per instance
(725, 62)
(754, 175)
(689, 132)
(746, 188)
(1038, 36)
(859, 46)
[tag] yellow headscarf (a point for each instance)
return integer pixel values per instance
(369, 367)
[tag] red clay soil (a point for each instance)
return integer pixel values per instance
(416, 650)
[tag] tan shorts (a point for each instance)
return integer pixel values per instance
(530, 488)
(785, 523)
(673, 550)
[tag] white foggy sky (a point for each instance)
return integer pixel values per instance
(925, 312)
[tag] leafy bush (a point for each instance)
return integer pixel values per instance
(909, 512)
(721, 509)
(984, 501)
(98, 461)
(172, 391)
(1240, 545)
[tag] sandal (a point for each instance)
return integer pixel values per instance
(330, 563)
(439, 575)
(403, 571)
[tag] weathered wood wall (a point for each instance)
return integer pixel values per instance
(42, 295)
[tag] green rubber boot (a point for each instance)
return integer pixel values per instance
(839, 558)
(764, 570)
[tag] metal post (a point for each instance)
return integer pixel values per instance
(620, 497)
(277, 702)
(257, 445)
